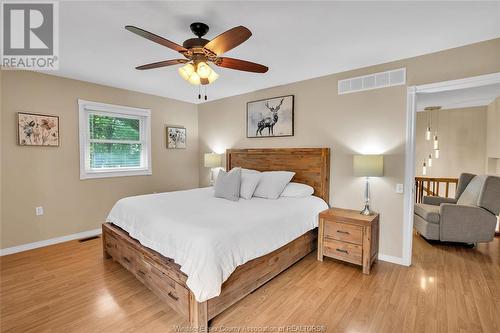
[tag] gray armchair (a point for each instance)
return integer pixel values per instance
(470, 217)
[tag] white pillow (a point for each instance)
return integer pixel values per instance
(227, 184)
(249, 182)
(272, 183)
(297, 190)
(243, 170)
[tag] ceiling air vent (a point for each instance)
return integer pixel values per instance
(395, 77)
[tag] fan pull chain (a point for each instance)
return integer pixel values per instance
(199, 92)
(205, 92)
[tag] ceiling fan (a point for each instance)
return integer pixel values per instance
(198, 52)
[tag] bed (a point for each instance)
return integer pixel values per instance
(231, 253)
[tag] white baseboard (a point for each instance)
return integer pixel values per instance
(392, 259)
(47, 242)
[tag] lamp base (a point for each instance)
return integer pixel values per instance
(212, 179)
(366, 211)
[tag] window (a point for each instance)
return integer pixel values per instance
(114, 140)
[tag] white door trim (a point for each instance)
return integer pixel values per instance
(411, 113)
(411, 98)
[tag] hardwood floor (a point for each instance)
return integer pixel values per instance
(69, 288)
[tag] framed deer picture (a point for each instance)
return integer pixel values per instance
(271, 117)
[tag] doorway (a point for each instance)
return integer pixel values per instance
(418, 97)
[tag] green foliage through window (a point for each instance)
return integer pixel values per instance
(113, 128)
(114, 154)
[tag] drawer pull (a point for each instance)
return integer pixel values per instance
(126, 259)
(172, 296)
(141, 272)
(341, 250)
(343, 232)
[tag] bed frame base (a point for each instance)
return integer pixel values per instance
(163, 276)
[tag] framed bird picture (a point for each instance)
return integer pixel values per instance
(271, 117)
(37, 129)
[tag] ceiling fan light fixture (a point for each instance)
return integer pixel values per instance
(186, 71)
(203, 70)
(212, 77)
(194, 78)
(198, 52)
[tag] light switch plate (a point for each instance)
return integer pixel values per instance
(39, 211)
(400, 188)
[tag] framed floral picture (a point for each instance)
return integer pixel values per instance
(37, 129)
(176, 137)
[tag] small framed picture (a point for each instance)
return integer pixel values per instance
(37, 129)
(176, 137)
(271, 117)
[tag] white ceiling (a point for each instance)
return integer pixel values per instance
(459, 98)
(297, 40)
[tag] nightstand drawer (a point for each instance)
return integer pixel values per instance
(344, 251)
(344, 232)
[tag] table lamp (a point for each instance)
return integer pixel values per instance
(368, 166)
(212, 160)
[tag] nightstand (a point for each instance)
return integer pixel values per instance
(345, 234)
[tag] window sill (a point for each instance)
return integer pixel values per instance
(114, 173)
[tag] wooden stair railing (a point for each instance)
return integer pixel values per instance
(431, 186)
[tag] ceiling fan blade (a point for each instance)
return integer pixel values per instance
(241, 65)
(155, 38)
(228, 40)
(162, 64)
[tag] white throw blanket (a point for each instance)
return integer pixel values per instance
(209, 237)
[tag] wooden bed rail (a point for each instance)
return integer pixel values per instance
(432, 186)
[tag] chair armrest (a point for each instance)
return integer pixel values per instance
(467, 224)
(436, 201)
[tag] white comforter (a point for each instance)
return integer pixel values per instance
(209, 237)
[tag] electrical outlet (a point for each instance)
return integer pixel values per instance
(39, 211)
(399, 188)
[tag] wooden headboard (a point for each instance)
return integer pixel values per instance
(311, 165)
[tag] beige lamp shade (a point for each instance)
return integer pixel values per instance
(212, 160)
(368, 165)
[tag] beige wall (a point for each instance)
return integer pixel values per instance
(462, 142)
(366, 122)
(49, 176)
(493, 137)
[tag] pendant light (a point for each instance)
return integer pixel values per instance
(428, 133)
(428, 130)
(436, 141)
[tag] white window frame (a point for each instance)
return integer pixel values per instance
(86, 108)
